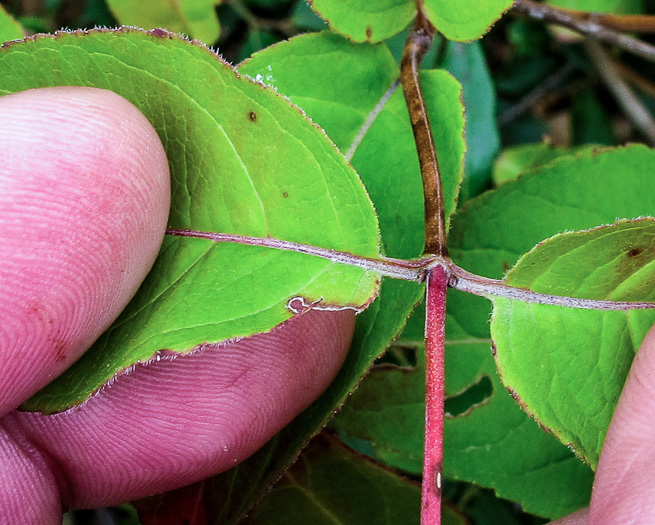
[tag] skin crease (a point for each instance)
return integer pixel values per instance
(168, 423)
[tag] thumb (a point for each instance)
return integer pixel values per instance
(84, 198)
(624, 488)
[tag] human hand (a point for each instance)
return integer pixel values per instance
(84, 196)
(624, 487)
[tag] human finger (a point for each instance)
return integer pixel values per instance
(171, 423)
(84, 199)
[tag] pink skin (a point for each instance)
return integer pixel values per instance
(83, 206)
(84, 198)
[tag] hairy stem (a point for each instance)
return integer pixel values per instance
(585, 25)
(467, 282)
(412, 270)
(417, 45)
(435, 347)
(417, 270)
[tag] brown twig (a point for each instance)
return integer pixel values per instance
(585, 25)
(629, 23)
(633, 107)
(417, 45)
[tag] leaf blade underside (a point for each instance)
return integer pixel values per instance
(242, 161)
(347, 73)
(567, 366)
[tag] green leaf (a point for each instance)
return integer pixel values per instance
(9, 28)
(487, 237)
(243, 161)
(490, 234)
(489, 441)
(519, 159)
(465, 20)
(339, 84)
(567, 366)
(572, 193)
(233, 493)
(468, 65)
(314, 71)
(366, 20)
(194, 18)
(332, 484)
(377, 20)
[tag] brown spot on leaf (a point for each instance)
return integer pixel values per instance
(159, 32)
(634, 252)
(285, 194)
(252, 116)
(369, 32)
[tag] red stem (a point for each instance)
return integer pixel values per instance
(435, 346)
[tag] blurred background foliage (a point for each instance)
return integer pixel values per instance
(546, 85)
(532, 93)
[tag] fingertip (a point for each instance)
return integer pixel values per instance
(84, 199)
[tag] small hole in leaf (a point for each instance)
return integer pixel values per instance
(252, 116)
(399, 355)
(469, 398)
